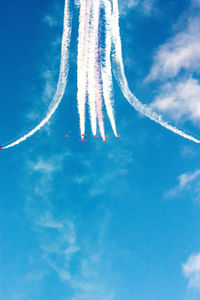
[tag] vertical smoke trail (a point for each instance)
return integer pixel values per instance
(64, 67)
(121, 78)
(106, 69)
(81, 94)
(91, 71)
(94, 87)
(99, 100)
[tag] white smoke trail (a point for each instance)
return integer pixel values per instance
(94, 89)
(91, 72)
(99, 96)
(106, 69)
(64, 67)
(99, 100)
(81, 93)
(121, 78)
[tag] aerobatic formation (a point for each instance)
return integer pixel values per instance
(99, 51)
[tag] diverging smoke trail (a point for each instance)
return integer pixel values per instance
(64, 67)
(121, 78)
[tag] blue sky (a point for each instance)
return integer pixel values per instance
(114, 221)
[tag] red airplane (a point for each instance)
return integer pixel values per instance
(95, 135)
(106, 137)
(118, 136)
(1, 148)
(105, 141)
(66, 136)
(82, 137)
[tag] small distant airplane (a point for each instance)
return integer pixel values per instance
(66, 136)
(95, 135)
(118, 136)
(105, 141)
(106, 137)
(1, 148)
(82, 137)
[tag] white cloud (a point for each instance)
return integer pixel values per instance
(62, 243)
(50, 20)
(189, 181)
(50, 165)
(47, 168)
(90, 284)
(180, 99)
(148, 6)
(182, 52)
(126, 6)
(54, 17)
(46, 220)
(187, 178)
(99, 184)
(191, 270)
(59, 246)
(36, 275)
(58, 242)
(196, 3)
(179, 59)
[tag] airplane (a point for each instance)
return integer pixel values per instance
(105, 141)
(1, 148)
(118, 137)
(82, 137)
(66, 136)
(95, 135)
(106, 137)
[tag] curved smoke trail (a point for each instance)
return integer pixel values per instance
(64, 68)
(121, 78)
(91, 70)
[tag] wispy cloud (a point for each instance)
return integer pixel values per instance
(191, 270)
(182, 52)
(101, 183)
(189, 181)
(51, 18)
(58, 242)
(145, 5)
(50, 165)
(89, 283)
(180, 99)
(187, 178)
(125, 6)
(176, 66)
(46, 168)
(62, 243)
(148, 6)
(196, 3)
